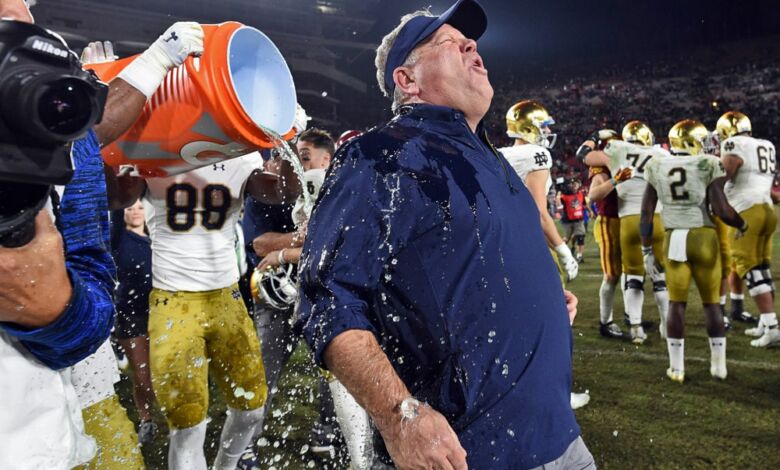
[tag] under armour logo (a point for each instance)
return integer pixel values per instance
(540, 158)
(236, 294)
(173, 37)
(729, 146)
(219, 167)
(160, 301)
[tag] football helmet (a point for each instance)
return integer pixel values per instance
(690, 137)
(637, 132)
(530, 121)
(731, 124)
(277, 287)
(346, 136)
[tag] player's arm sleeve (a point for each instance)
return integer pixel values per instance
(87, 320)
(345, 253)
(543, 163)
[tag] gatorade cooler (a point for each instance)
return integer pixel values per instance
(211, 108)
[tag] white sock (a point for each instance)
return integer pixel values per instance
(769, 319)
(634, 298)
(723, 300)
(237, 431)
(662, 301)
(355, 425)
(185, 450)
(676, 348)
(737, 296)
(718, 354)
(606, 299)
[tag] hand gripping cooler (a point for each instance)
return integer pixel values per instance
(211, 108)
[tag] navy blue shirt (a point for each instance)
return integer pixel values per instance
(424, 235)
(133, 257)
(260, 218)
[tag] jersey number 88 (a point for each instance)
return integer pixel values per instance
(181, 201)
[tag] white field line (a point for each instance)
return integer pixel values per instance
(761, 365)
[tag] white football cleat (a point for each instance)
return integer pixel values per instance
(638, 335)
(578, 400)
(757, 331)
(770, 336)
(676, 375)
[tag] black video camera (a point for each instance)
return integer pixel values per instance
(46, 101)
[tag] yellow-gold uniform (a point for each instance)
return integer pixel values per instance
(754, 248)
(198, 322)
(117, 441)
(681, 183)
(631, 246)
(725, 236)
(750, 194)
(197, 332)
(703, 266)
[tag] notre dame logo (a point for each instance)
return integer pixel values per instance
(729, 146)
(219, 167)
(540, 159)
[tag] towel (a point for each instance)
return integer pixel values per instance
(678, 245)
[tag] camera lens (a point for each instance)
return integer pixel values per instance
(64, 107)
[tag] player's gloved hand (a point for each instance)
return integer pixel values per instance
(741, 231)
(98, 52)
(302, 119)
(651, 268)
(181, 40)
(569, 263)
(623, 175)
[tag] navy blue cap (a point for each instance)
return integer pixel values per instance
(467, 16)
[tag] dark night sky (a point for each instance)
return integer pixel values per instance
(550, 32)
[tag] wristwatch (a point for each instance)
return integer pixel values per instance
(410, 408)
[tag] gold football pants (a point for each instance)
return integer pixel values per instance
(703, 265)
(117, 442)
(631, 245)
(192, 333)
(755, 247)
(607, 231)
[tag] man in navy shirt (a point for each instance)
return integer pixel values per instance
(426, 275)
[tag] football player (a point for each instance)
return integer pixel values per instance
(684, 184)
(606, 230)
(750, 165)
(529, 123)
(634, 151)
(198, 322)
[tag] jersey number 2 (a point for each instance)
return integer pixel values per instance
(181, 201)
(678, 187)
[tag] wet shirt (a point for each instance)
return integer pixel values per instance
(260, 218)
(424, 235)
(133, 256)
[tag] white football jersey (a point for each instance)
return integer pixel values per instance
(312, 182)
(191, 219)
(95, 376)
(622, 155)
(753, 182)
(681, 183)
(529, 158)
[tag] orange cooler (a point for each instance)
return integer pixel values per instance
(210, 108)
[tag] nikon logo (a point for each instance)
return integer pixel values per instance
(49, 48)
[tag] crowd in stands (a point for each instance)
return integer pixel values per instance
(655, 94)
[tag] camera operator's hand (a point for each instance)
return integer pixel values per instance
(34, 284)
(15, 10)
(98, 52)
(178, 42)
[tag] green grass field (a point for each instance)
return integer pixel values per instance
(636, 418)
